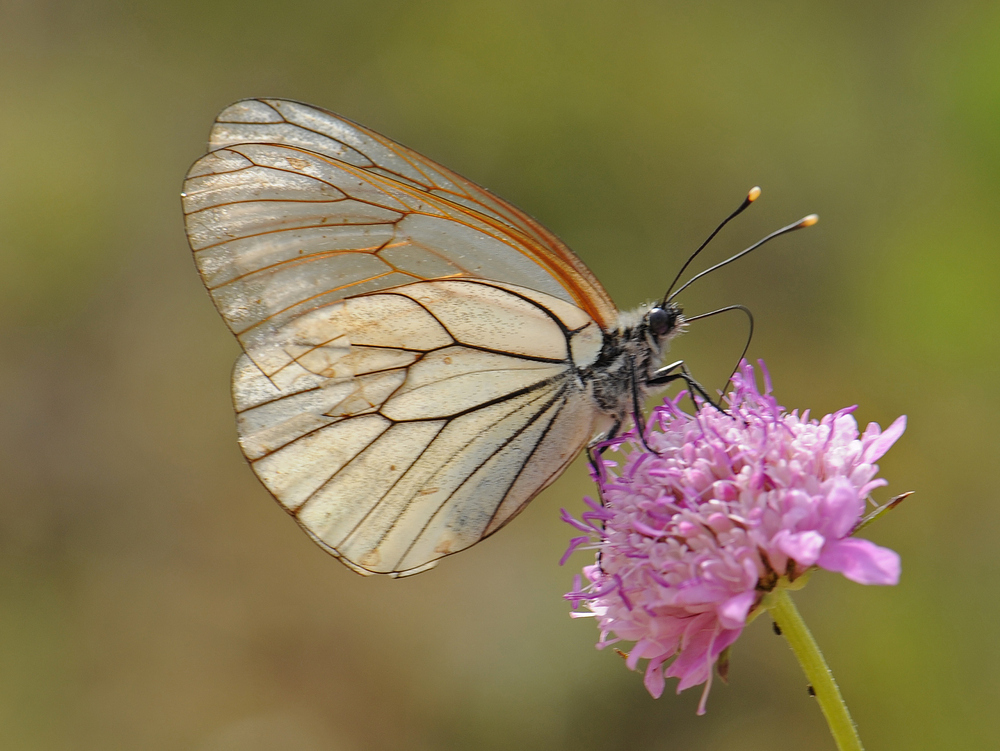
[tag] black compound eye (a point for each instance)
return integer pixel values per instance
(661, 321)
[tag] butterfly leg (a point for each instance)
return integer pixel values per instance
(594, 451)
(667, 374)
(637, 417)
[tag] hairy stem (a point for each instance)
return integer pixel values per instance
(795, 631)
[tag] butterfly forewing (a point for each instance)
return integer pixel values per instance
(322, 132)
(413, 344)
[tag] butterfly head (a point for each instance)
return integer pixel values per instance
(663, 319)
(661, 323)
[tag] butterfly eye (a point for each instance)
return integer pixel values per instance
(661, 321)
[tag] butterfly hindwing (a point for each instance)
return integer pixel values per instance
(397, 439)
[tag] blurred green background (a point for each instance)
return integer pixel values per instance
(153, 596)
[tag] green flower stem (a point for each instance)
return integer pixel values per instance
(794, 629)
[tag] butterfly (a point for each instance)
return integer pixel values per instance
(420, 358)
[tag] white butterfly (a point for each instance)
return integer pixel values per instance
(420, 357)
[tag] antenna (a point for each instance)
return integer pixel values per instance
(806, 221)
(752, 196)
(742, 308)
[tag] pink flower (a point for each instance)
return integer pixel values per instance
(691, 538)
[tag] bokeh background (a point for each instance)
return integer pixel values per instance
(153, 596)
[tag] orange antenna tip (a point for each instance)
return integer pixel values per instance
(809, 221)
(754, 193)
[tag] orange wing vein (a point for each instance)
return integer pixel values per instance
(317, 130)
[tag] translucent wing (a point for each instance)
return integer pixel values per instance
(413, 423)
(413, 344)
(277, 231)
(319, 131)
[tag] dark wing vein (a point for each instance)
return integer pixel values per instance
(531, 421)
(471, 440)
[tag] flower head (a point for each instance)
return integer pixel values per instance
(691, 538)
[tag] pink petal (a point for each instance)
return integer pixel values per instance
(689, 666)
(869, 487)
(733, 612)
(692, 672)
(861, 561)
(804, 547)
(884, 442)
(643, 648)
(654, 680)
(841, 509)
(725, 639)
